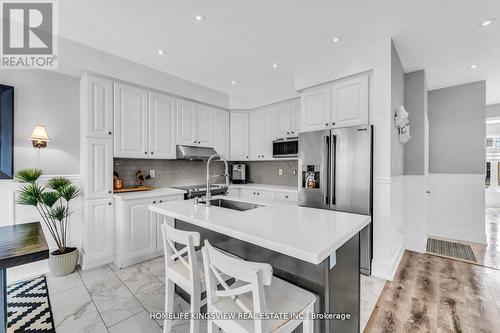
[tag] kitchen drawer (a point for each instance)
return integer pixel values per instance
(285, 196)
(233, 192)
(258, 194)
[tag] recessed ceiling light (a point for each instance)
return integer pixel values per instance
(473, 66)
(233, 83)
(487, 22)
(200, 17)
(161, 52)
(275, 65)
(336, 39)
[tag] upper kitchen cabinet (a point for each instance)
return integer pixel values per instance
(338, 104)
(221, 132)
(239, 136)
(162, 134)
(350, 102)
(263, 130)
(97, 107)
(131, 137)
(194, 124)
(288, 118)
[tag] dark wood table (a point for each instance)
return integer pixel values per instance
(19, 244)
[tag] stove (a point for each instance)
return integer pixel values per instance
(196, 191)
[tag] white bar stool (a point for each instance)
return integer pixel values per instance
(183, 268)
(257, 291)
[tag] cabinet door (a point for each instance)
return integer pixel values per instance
(97, 98)
(186, 122)
(295, 117)
(99, 168)
(315, 109)
(284, 119)
(162, 136)
(247, 194)
(350, 102)
(256, 135)
(131, 122)
(205, 125)
(139, 229)
(264, 195)
(269, 132)
(99, 232)
(221, 132)
(239, 129)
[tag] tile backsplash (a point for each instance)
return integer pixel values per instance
(183, 172)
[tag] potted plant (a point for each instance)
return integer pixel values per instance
(52, 203)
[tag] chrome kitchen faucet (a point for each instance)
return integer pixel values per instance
(226, 174)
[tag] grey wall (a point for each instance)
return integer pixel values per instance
(416, 105)
(52, 99)
(173, 172)
(493, 110)
(457, 129)
(397, 99)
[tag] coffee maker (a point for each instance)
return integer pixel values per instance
(239, 173)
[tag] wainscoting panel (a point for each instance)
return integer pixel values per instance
(416, 212)
(456, 207)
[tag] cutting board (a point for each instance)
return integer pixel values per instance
(134, 189)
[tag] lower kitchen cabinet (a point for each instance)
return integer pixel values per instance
(98, 243)
(138, 229)
(257, 194)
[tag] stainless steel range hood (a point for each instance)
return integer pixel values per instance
(194, 153)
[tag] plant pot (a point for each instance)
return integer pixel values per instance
(63, 264)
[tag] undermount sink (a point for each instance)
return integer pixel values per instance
(230, 204)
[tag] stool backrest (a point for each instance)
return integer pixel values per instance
(186, 255)
(253, 275)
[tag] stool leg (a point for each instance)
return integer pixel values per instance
(195, 309)
(169, 305)
(308, 324)
(212, 328)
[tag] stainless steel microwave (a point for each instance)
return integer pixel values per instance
(286, 147)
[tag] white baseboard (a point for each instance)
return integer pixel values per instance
(387, 270)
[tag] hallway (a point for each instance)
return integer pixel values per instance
(489, 255)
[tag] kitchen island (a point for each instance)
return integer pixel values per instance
(315, 249)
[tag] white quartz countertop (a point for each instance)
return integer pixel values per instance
(277, 188)
(307, 234)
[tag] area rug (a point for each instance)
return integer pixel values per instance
(28, 307)
(450, 249)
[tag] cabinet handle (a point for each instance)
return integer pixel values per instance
(152, 153)
(326, 124)
(246, 157)
(293, 132)
(258, 193)
(286, 196)
(154, 201)
(110, 203)
(161, 201)
(110, 132)
(333, 124)
(253, 193)
(199, 142)
(287, 132)
(146, 152)
(110, 192)
(194, 141)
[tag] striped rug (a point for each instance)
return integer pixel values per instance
(450, 249)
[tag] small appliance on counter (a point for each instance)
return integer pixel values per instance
(239, 173)
(117, 181)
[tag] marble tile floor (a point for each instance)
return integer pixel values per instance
(108, 299)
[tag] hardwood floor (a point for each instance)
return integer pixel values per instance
(489, 254)
(435, 294)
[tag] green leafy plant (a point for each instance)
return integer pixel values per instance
(51, 202)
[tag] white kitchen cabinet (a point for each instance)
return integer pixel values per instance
(98, 168)
(136, 232)
(221, 132)
(239, 136)
(350, 102)
(162, 134)
(160, 219)
(195, 124)
(338, 104)
(288, 118)
(286, 196)
(262, 133)
(98, 246)
(97, 106)
(316, 109)
(131, 137)
(233, 192)
(253, 194)
(256, 135)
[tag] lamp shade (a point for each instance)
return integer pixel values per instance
(39, 134)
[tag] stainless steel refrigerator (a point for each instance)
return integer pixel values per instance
(335, 168)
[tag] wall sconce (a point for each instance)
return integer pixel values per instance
(39, 136)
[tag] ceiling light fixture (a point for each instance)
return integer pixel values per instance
(487, 22)
(473, 66)
(200, 17)
(161, 52)
(233, 83)
(336, 39)
(275, 65)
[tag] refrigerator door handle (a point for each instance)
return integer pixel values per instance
(333, 167)
(326, 150)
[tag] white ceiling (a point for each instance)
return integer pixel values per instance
(240, 40)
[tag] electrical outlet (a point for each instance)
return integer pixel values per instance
(152, 173)
(280, 172)
(295, 172)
